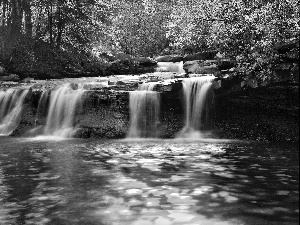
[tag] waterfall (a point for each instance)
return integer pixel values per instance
(11, 105)
(198, 97)
(42, 105)
(180, 67)
(144, 112)
(62, 107)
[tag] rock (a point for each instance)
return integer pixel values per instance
(27, 80)
(207, 70)
(283, 71)
(145, 61)
(252, 83)
(287, 46)
(295, 72)
(119, 66)
(11, 77)
(190, 66)
(201, 67)
(123, 56)
(169, 58)
(3, 78)
(2, 70)
(225, 64)
(207, 55)
(107, 56)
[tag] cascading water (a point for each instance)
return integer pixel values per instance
(63, 104)
(176, 67)
(11, 105)
(198, 96)
(42, 105)
(144, 112)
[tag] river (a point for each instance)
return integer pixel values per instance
(148, 182)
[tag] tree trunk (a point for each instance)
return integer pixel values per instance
(50, 22)
(28, 15)
(60, 26)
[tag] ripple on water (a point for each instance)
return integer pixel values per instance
(146, 182)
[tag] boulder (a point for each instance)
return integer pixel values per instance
(207, 55)
(107, 56)
(201, 67)
(118, 67)
(2, 70)
(131, 65)
(145, 61)
(190, 66)
(225, 64)
(287, 46)
(28, 80)
(3, 78)
(208, 66)
(207, 70)
(283, 71)
(11, 77)
(123, 56)
(169, 58)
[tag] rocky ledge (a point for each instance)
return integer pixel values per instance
(263, 114)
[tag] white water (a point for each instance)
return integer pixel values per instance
(42, 105)
(144, 112)
(176, 67)
(63, 104)
(11, 105)
(198, 96)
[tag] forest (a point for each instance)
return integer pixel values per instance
(42, 38)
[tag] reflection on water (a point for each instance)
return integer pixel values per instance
(147, 182)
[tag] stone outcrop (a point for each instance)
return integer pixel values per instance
(126, 64)
(145, 61)
(169, 58)
(208, 66)
(263, 113)
(10, 77)
(206, 55)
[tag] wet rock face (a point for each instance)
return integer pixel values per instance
(103, 115)
(263, 114)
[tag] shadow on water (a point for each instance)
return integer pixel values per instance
(141, 182)
(46, 183)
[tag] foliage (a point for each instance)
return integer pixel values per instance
(44, 31)
(139, 27)
(248, 31)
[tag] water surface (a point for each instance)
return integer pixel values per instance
(148, 182)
